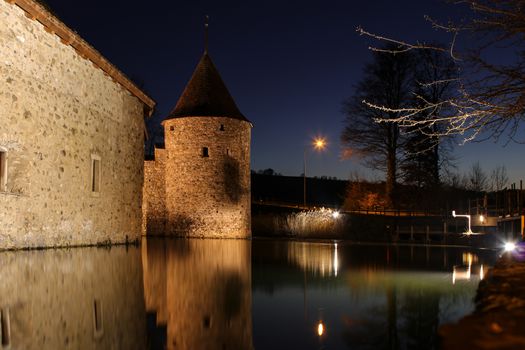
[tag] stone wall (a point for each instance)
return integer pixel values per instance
(207, 195)
(154, 205)
(57, 112)
(48, 298)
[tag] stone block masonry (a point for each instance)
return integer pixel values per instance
(199, 186)
(72, 140)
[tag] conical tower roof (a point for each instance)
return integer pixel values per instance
(206, 95)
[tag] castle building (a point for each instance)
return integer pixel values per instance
(71, 136)
(199, 184)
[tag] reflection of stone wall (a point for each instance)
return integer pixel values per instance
(154, 254)
(57, 110)
(205, 196)
(321, 259)
(51, 295)
(208, 292)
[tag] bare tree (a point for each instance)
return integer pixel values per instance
(477, 178)
(498, 178)
(386, 82)
(426, 152)
(490, 97)
(455, 180)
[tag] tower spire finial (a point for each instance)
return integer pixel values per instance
(206, 24)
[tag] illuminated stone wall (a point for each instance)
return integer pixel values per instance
(50, 295)
(57, 110)
(207, 295)
(154, 204)
(206, 196)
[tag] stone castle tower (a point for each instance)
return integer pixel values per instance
(199, 184)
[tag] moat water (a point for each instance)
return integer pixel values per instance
(235, 294)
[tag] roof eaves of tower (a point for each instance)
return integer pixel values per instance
(206, 95)
(52, 24)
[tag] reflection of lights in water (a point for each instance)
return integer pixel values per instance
(336, 260)
(320, 328)
(481, 274)
(509, 246)
(469, 258)
(321, 259)
(462, 274)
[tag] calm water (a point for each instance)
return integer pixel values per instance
(233, 294)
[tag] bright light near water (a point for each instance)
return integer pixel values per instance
(481, 219)
(320, 328)
(509, 246)
(335, 214)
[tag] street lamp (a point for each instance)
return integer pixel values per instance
(319, 144)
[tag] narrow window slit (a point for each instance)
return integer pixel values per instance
(205, 152)
(95, 174)
(3, 171)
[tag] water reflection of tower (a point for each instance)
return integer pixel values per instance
(206, 296)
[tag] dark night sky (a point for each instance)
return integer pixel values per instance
(288, 64)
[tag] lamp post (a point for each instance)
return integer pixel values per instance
(469, 232)
(319, 144)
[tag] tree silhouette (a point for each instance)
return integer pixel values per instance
(425, 152)
(490, 98)
(387, 82)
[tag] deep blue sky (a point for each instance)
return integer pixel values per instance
(288, 64)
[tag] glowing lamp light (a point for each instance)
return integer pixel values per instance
(335, 214)
(481, 219)
(319, 143)
(509, 246)
(320, 328)
(469, 231)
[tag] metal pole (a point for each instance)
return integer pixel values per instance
(304, 178)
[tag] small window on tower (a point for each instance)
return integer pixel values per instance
(95, 174)
(3, 170)
(205, 152)
(222, 127)
(172, 128)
